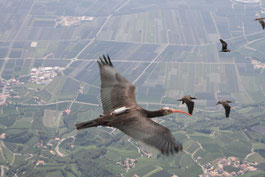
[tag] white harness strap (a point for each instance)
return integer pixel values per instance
(120, 110)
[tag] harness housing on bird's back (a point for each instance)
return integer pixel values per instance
(120, 110)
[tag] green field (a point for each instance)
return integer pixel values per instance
(167, 49)
(51, 118)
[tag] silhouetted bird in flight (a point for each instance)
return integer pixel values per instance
(226, 106)
(188, 100)
(122, 111)
(224, 46)
(261, 21)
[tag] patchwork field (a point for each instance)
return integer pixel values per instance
(166, 48)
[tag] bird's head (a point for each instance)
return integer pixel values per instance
(219, 102)
(167, 111)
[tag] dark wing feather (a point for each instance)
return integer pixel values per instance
(150, 133)
(224, 44)
(116, 90)
(190, 105)
(182, 100)
(227, 109)
(262, 23)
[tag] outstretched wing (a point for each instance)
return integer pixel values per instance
(150, 133)
(224, 44)
(262, 23)
(227, 110)
(116, 90)
(190, 105)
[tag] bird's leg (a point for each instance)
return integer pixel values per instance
(103, 120)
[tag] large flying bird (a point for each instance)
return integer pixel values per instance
(188, 100)
(226, 106)
(122, 111)
(261, 21)
(224, 46)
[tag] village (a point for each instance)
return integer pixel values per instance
(6, 90)
(127, 163)
(228, 167)
(41, 75)
(257, 64)
(72, 21)
(44, 75)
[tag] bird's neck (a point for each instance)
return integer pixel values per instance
(153, 114)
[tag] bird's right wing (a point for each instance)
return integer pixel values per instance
(224, 44)
(150, 133)
(190, 105)
(227, 110)
(262, 23)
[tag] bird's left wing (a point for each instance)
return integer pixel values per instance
(182, 100)
(116, 90)
(150, 133)
(224, 44)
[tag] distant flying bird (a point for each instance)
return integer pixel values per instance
(188, 100)
(224, 46)
(261, 21)
(122, 111)
(226, 106)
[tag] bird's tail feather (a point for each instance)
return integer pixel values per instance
(87, 124)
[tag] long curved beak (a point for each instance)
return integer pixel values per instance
(179, 111)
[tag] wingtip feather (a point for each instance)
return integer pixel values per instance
(109, 60)
(105, 60)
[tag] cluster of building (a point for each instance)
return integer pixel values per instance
(44, 75)
(41, 75)
(40, 162)
(28, 156)
(127, 163)
(52, 142)
(40, 145)
(67, 111)
(72, 21)
(217, 168)
(11, 82)
(6, 90)
(49, 145)
(258, 64)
